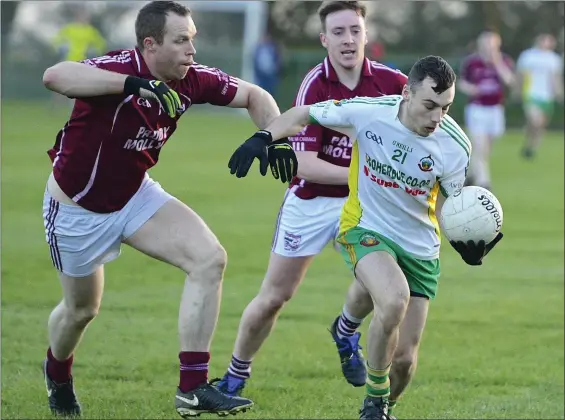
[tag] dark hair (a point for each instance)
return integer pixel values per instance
(150, 21)
(328, 7)
(435, 68)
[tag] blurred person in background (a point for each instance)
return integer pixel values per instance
(484, 76)
(267, 64)
(77, 38)
(540, 83)
(75, 41)
(376, 50)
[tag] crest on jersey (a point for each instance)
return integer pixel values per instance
(336, 102)
(426, 164)
(368, 239)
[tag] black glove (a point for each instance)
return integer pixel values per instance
(254, 147)
(279, 155)
(282, 160)
(473, 253)
(154, 89)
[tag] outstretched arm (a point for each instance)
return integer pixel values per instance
(78, 80)
(330, 114)
(265, 112)
(260, 105)
(290, 122)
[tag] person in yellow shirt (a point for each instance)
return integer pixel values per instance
(75, 40)
(78, 37)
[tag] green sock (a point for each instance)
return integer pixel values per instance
(378, 383)
(391, 405)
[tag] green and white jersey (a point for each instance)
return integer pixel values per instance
(395, 174)
(539, 68)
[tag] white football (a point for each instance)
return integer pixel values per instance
(471, 214)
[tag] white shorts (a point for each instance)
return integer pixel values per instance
(80, 241)
(305, 227)
(482, 120)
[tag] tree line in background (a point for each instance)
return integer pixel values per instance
(442, 27)
(439, 27)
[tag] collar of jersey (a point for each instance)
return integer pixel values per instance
(141, 66)
(331, 74)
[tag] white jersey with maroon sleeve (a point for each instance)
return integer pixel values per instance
(321, 84)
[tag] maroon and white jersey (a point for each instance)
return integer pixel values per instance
(482, 74)
(101, 155)
(321, 84)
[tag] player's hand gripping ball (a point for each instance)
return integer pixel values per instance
(471, 219)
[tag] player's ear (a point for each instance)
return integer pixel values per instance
(149, 43)
(406, 92)
(323, 40)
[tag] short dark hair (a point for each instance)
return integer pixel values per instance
(435, 68)
(150, 21)
(328, 7)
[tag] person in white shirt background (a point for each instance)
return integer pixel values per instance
(540, 83)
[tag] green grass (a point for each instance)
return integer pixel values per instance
(493, 347)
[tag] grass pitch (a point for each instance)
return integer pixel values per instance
(493, 347)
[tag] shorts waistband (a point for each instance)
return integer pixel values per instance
(67, 208)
